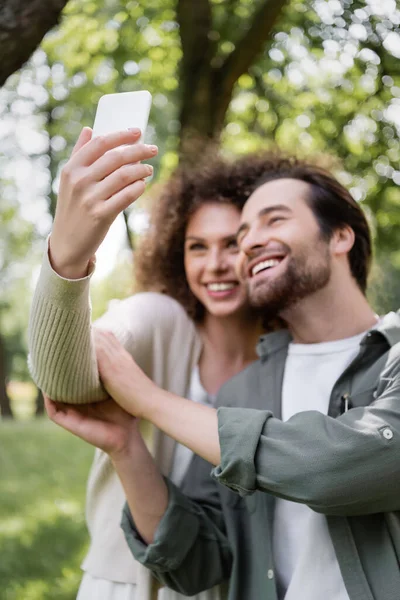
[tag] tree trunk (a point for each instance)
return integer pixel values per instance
(207, 80)
(5, 404)
(23, 24)
(39, 402)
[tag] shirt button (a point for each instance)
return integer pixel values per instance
(387, 433)
(270, 574)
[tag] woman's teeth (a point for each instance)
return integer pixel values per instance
(220, 287)
(265, 264)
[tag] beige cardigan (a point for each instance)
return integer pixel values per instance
(164, 342)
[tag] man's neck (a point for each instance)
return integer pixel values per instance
(333, 313)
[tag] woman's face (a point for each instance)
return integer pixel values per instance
(210, 256)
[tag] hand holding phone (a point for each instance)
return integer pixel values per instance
(99, 182)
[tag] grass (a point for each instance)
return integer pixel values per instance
(43, 537)
(22, 395)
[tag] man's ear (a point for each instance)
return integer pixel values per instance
(342, 240)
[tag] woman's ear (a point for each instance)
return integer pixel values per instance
(342, 241)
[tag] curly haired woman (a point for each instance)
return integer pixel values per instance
(190, 330)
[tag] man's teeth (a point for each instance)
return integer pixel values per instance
(220, 287)
(265, 264)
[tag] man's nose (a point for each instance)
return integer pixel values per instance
(253, 241)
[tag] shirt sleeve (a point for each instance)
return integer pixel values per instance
(190, 552)
(344, 466)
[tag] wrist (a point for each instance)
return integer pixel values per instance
(150, 401)
(126, 456)
(66, 268)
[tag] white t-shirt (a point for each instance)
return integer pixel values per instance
(305, 560)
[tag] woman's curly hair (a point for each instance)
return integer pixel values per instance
(159, 260)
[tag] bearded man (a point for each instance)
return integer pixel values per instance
(305, 442)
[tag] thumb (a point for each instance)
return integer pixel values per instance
(84, 137)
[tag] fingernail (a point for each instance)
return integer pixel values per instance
(134, 130)
(149, 169)
(153, 149)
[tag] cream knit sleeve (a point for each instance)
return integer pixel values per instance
(62, 358)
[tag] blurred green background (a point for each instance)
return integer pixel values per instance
(319, 78)
(42, 530)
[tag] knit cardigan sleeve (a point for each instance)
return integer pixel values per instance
(62, 358)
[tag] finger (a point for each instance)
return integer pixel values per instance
(69, 418)
(112, 340)
(102, 346)
(50, 406)
(116, 159)
(100, 337)
(110, 343)
(103, 354)
(98, 146)
(123, 199)
(84, 137)
(122, 178)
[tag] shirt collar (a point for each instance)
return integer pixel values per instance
(388, 328)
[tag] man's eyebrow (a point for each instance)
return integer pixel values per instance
(263, 212)
(273, 208)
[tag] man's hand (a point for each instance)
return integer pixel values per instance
(122, 378)
(191, 424)
(101, 179)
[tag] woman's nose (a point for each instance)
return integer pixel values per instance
(216, 261)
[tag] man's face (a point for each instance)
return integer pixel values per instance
(283, 256)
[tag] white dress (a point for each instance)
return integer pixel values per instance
(94, 588)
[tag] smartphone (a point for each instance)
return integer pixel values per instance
(116, 112)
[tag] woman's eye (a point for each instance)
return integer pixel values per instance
(232, 245)
(197, 246)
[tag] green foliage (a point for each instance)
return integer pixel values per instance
(17, 237)
(42, 532)
(117, 285)
(327, 85)
(114, 47)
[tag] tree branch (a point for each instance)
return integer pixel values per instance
(23, 24)
(194, 18)
(248, 47)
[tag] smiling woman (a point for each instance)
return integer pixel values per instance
(210, 255)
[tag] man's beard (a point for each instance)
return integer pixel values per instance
(300, 279)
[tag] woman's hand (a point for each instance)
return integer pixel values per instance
(121, 377)
(101, 179)
(104, 424)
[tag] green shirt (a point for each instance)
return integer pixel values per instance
(345, 465)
